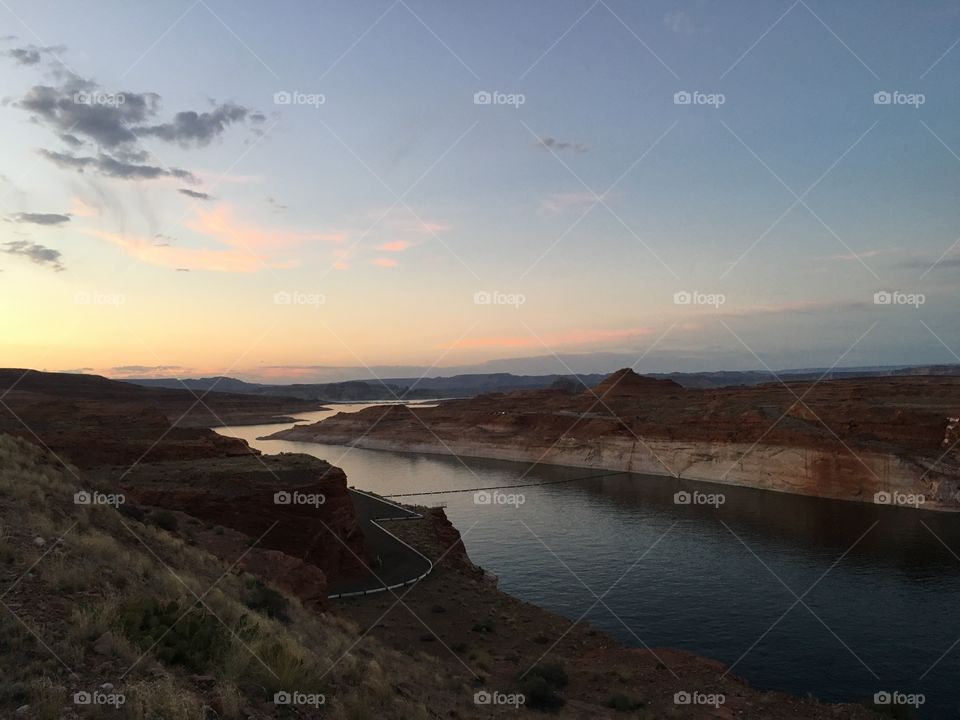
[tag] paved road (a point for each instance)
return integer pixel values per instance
(399, 563)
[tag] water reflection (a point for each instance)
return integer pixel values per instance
(878, 589)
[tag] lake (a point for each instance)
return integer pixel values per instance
(833, 599)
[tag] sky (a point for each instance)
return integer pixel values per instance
(313, 191)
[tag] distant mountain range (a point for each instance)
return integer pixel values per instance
(470, 385)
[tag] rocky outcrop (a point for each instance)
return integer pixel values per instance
(121, 438)
(303, 580)
(448, 537)
(868, 439)
(296, 504)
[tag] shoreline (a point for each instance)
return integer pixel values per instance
(865, 477)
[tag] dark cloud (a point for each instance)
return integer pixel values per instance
(25, 56)
(31, 54)
(35, 253)
(550, 143)
(195, 194)
(40, 218)
(191, 127)
(78, 107)
(112, 167)
(81, 112)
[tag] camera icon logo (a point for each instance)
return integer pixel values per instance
(282, 498)
(682, 298)
(882, 698)
(82, 498)
(482, 297)
(282, 298)
(682, 98)
(682, 498)
(882, 298)
(882, 98)
(482, 697)
(82, 698)
(282, 697)
(282, 97)
(882, 498)
(482, 498)
(682, 698)
(482, 97)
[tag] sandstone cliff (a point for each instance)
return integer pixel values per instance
(846, 439)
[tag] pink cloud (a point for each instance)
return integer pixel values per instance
(79, 208)
(384, 262)
(559, 202)
(242, 247)
(222, 260)
(395, 246)
(220, 224)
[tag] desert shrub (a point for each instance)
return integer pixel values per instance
(150, 700)
(540, 686)
(47, 700)
(539, 695)
(132, 511)
(552, 672)
(165, 520)
(263, 599)
(190, 637)
(623, 703)
(484, 627)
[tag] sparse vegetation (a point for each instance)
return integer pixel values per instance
(264, 599)
(165, 519)
(541, 685)
(623, 703)
(116, 602)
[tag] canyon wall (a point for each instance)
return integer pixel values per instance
(841, 473)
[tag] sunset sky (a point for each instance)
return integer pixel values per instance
(311, 191)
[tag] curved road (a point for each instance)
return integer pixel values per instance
(399, 564)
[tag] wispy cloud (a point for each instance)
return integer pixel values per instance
(35, 253)
(395, 246)
(40, 218)
(33, 54)
(561, 202)
(241, 247)
(802, 306)
(550, 143)
(384, 262)
(81, 209)
(857, 257)
(195, 194)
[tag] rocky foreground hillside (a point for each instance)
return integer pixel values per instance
(886, 439)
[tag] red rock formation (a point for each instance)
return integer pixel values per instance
(627, 383)
(448, 538)
(318, 526)
(847, 438)
(118, 435)
(302, 580)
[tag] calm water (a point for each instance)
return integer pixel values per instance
(876, 615)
